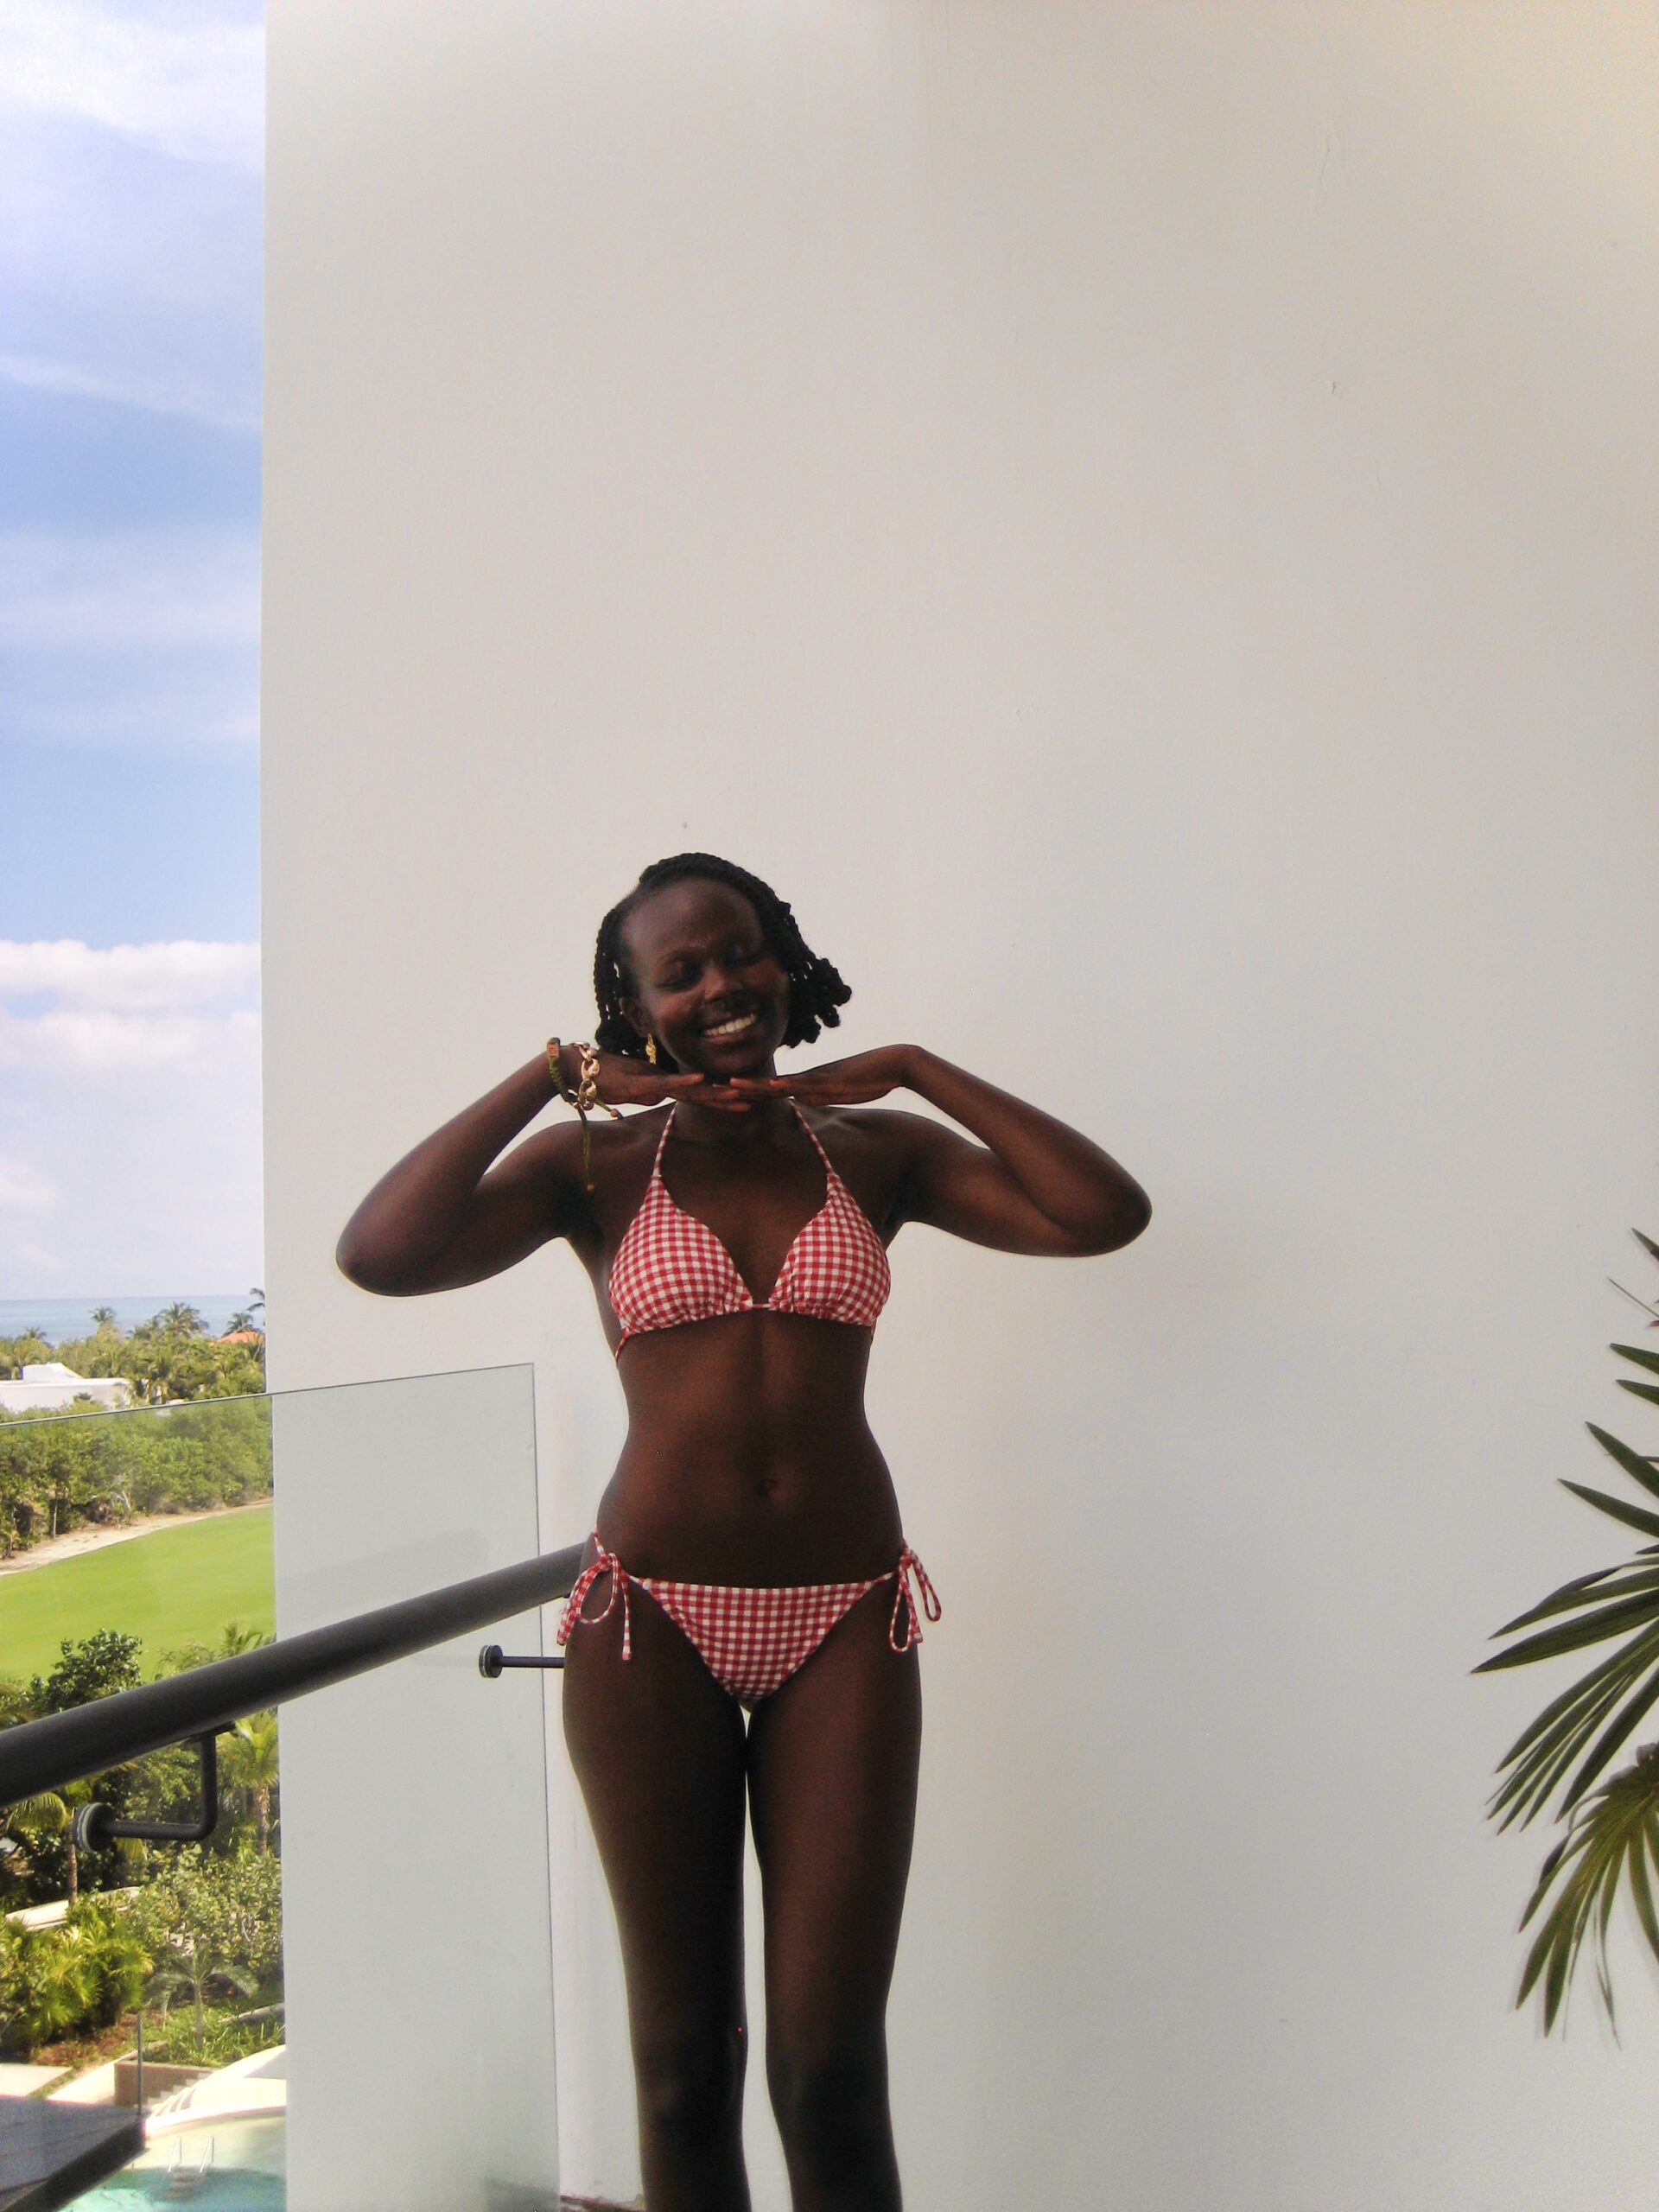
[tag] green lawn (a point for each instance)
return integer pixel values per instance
(175, 1585)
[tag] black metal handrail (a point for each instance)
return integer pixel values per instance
(42, 1755)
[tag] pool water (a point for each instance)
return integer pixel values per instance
(246, 2174)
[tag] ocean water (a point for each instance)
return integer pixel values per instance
(58, 1320)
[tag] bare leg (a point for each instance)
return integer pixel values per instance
(659, 1751)
(833, 1758)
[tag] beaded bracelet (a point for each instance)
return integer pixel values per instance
(585, 1097)
(555, 1069)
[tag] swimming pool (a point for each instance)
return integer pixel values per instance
(246, 2173)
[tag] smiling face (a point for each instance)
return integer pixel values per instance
(707, 984)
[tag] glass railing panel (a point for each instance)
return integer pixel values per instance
(416, 1857)
(137, 1544)
(281, 1977)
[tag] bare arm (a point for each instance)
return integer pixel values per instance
(443, 1217)
(1031, 1185)
(1041, 1186)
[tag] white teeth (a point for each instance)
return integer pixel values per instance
(731, 1028)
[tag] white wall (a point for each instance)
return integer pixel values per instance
(1141, 522)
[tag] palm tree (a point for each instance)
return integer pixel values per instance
(181, 1320)
(104, 1319)
(250, 1766)
(236, 1636)
(1613, 1834)
(157, 1375)
(187, 1973)
(52, 1812)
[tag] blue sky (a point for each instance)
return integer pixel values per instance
(130, 188)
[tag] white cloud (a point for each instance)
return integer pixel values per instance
(129, 1100)
(123, 1007)
(153, 1172)
(198, 401)
(121, 590)
(22, 1189)
(107, 1044)
(130, 978)
(186, 79)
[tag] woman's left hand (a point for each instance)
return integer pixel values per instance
(852, 1082)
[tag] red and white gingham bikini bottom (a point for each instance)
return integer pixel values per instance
(752, 1640)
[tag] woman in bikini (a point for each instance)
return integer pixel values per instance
(749, 1557)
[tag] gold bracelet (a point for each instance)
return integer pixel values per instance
(587, 1096)
(588, 1087)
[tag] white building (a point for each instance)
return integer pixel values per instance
(1140, 522)
(53, 1386)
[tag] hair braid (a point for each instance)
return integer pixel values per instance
(816, 992)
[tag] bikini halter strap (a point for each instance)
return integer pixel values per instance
(811, 1138)
(661, 1142)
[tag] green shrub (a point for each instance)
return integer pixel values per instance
(56, 1981)
(224, 2038)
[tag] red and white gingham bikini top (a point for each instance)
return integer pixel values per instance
(670, 1267)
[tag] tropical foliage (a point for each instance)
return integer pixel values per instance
(197, 1926)
(1612, 1838)
(57, 1474)
(172, 1355)
(46, 1863)
(96, 1666)
(204, 1934)
(85, 1973)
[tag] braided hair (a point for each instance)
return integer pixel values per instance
(815, 990)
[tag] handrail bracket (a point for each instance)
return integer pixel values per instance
(96, 1824)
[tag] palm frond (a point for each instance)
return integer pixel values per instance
(1641, 1889)
(1623, 1664)
(1634, 1299)
(1632, 1462)
(1613, 1824)
(1561, 1601)
(1537, 1774)
(1594, 1625)
(1612, 1835)
(1612, 1738)
(1635, 1516)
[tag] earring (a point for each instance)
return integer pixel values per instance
(651, 1050)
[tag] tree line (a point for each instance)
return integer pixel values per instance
(172, 1355)
(211, 1448)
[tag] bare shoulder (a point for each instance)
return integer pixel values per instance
(889, 1145)
(900, 1136)
(622, 1152)
(551, 1159)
